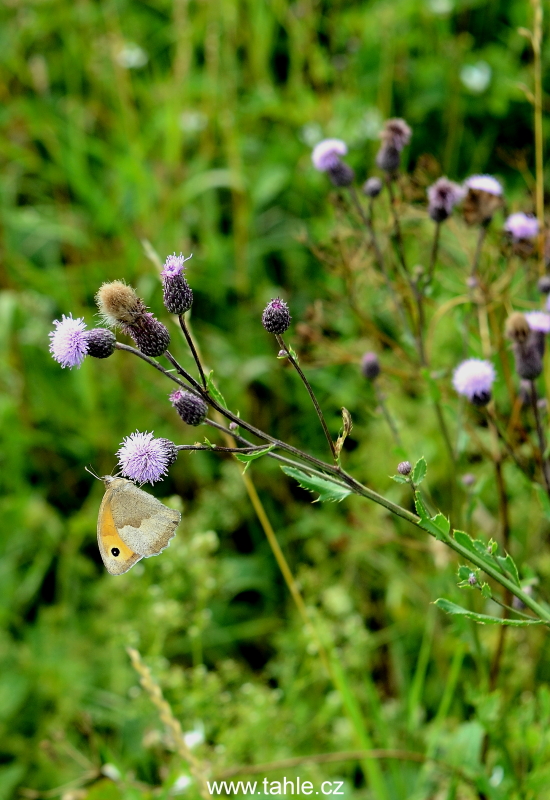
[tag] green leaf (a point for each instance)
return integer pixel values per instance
(464, 572)
(214, 391)
(293, 353)
(483, 619)
(399, 478)
(476, 546)
(441, 522)
(509, 566)
(327, 490)
(246, 458)
(486, 591)
(439, 526)
(419, 471)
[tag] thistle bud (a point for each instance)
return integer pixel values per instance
(388, 158)
(517, 327)
(150, 335)
(170, 450)
(191, 408)
(372, 187)
(340, 174)
(404, 468)
(101, 342)
(528, 344)
(176, 292)
(276, 317)
(370, 366)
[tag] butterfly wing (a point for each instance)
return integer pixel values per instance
(117, 556)
(143, 523)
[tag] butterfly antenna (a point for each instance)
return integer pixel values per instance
(91, 471)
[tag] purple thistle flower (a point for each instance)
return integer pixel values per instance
(174, 265)
(326, 154)
(473, 379)
(521, 226)
(396, 133)
(443, 195)
(484, 183)
(538, 321)
(68, 342)
(143, 458)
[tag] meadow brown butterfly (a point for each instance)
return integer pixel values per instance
(132, 525)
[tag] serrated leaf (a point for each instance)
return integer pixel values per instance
(441, 522)
(347, 426)
(293, 353)
(214, 391)
(492, 547)
(464, 572)
(326, 489)
(421, 509)
(247, 458)
(476, 546)
(482, 619)
(486, 591)
(509, 566)
(399, 478)
(419, 471)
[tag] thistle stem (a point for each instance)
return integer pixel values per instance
(396, 225)
(193, 349)
(316, 405)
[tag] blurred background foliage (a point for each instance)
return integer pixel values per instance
(190, 124)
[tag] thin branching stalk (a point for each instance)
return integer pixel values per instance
(190, 342)
(536, 40)
(479, 247)
(541, 438)
(435, 250)
(311, 393)
(396, 225)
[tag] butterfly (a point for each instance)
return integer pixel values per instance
(132, 525)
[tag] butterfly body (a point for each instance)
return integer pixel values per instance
(132, 525)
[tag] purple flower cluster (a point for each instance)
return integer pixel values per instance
(474, 379)
(144, 459)
(70, 342)
(174, 265)
(484, 183)
(521, 226)
(443, 196)
(326, 154)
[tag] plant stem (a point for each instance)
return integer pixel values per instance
(396, 224)
(541, 438)
(387, 416)
(367, 220)
(435, 249)
(536, 40)
(192, 347)
(316, 405)
(332, 471)
(479, 246)
(252, 449)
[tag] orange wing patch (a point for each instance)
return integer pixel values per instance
(117, 556)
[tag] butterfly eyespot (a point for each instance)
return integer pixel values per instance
(115, 551)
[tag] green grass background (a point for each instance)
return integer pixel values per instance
(205, 148)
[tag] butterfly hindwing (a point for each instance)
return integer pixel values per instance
(115, 553)
(143, 523)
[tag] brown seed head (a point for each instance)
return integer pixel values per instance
(479, 207)
(119, 304)
(517, 327)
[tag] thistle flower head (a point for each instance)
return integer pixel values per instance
(484, 183)
(538, 321)
(276, 317)
(372, 187)
(191, 408)
(473, 379)
(174, 265)
(68, 342)
(396, 133)
(443, 195)
(101, 342)
(521, 226)
(370, 366)
(143, 458)
(517, 327)
(119, 304)
(326, 154)
(404, 468)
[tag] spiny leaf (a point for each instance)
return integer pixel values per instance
(327, 490)
(509, 566)
(399, 478)
(419, 471)
(247, 458)
(214, 391)
(483, 619)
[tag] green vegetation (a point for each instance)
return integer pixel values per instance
(132, 128)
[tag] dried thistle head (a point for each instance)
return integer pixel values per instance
(483, 199)
(517, 327)
(119, 304)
